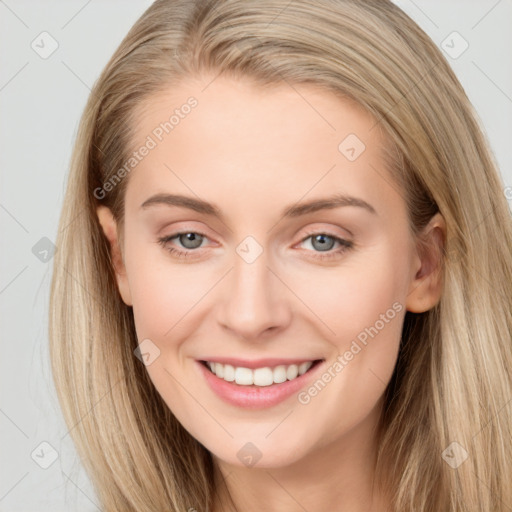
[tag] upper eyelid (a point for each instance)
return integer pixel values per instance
(346, 234)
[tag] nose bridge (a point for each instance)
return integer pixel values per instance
(255, 300)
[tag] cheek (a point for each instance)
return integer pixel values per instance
(361, 309)
(163, 292)
(351, 298)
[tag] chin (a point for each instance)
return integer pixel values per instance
(259, 455)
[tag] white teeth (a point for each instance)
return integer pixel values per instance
(229, 373)
(243, 376)
(219, 370)
(279, 374)
(292, 371)
(263, 376)
(304, 367)
(260, 376)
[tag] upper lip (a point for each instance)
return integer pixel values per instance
(258, 363)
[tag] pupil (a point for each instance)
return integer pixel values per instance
(324, 246)
(191, 238)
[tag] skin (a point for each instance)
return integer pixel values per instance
(252, 151)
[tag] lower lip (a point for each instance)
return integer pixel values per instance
(256, 397)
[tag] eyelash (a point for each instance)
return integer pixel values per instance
(345, 245)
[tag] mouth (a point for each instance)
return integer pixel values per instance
(260, 376)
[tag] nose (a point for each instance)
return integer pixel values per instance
(255, 303)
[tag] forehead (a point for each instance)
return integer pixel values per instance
(227, 104)
(227, 137)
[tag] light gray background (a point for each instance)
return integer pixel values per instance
(41, 102)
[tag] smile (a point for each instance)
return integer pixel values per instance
(265, 384)
(264, 376)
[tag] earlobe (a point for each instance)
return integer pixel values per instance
(109, 227)
(426, 286)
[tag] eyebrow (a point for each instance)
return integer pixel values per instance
(292, 211)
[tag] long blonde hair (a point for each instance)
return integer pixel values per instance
(452, 381)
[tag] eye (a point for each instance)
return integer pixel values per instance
(324, 242)
(193, 240)
(190, 240)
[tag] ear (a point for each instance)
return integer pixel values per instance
(109, 226)
(426, 287)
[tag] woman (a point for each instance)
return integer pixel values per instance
(207, 354)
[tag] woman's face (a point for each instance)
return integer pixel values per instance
(298, 250)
